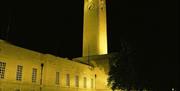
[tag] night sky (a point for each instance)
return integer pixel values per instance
(150, 27)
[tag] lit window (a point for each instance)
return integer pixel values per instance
(77, 81)
(34, 75)
(92, 83)
(67, 80)
(85, 82)
(19, 73)
(57, 77)
(2, 69)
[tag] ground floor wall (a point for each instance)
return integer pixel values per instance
(30, 87)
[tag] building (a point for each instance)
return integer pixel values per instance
(26, 70)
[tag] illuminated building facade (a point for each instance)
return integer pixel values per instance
(26, 70)
(94, 33)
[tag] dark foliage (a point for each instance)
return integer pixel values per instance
(123, 73)
(128, 71)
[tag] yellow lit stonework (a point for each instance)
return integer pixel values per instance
(26, 70)
(12, 55)
(94, 29)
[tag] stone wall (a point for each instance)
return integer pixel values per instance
(47, 65)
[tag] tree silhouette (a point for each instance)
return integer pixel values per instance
(122, 74)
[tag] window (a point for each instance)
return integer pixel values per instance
(2, 69)
(76, 81)
(19, 72)
(85, 82)
(92, 83)
(17, 90)
(67, 80)
(57, 77)
(34, 75)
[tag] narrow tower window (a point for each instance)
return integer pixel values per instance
(67, 80)
(34, 75)
(19, 72)
(2, 69)
(57, 77)
(92, 83)
(85, 80)
(77, 81)
(17, 90)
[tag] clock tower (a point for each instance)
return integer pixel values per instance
(94, 28)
